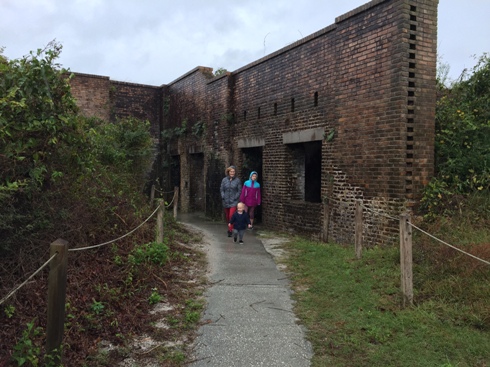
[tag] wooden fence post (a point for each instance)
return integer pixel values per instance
(358, 229)
(160, 218)
(326, 219)
(176, 200)
(56, 299)
(406, 259)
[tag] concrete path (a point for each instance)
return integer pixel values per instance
(249, 319)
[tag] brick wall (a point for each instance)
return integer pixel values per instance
(354, 101)
(92, 93)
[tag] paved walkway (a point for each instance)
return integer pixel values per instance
(249, 319)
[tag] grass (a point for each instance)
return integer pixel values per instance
(352, 308)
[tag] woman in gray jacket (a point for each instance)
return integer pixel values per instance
(231, 188)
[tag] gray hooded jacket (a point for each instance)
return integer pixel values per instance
(230, 191)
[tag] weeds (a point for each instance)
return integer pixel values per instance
(27, 350)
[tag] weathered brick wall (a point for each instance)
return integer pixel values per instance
(92, 93)
(360, 94)
(186, 103)
(98, 96)
(136, 100)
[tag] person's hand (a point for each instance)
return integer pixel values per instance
(249, 226)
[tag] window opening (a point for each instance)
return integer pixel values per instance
(306, 159)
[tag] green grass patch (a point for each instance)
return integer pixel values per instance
(352, 310)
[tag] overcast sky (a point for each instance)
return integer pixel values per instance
(156, 41)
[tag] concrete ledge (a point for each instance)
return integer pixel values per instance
(251, 142)
(303, 136)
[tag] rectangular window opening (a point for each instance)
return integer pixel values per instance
(292, 104)
(315, 103)
(306, 171)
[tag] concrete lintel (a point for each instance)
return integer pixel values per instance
(251, 142)
(195, 149)
(303, 136)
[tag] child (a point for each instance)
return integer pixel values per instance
(239, 222)
(251, 195)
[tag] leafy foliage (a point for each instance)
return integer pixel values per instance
(462, 139)
(58, 167)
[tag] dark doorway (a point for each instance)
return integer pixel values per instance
(252, 161)
(197, 202)
(313, 171)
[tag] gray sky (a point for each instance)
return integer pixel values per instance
(155, 42)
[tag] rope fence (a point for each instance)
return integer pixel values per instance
(57, 276)
(13, 291)
(396, 218)
(405, 234)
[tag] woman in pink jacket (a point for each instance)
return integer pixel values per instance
(251, 195)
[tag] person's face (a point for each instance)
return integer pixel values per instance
(232, 173)
(239, 209)
(254, 177)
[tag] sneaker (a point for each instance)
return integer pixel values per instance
(234, 239)
(241, 242)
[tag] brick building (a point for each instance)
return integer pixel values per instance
(343, 115)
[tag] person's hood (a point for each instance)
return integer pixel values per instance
(251, 173)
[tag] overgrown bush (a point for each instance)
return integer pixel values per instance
(61, 172)
(462, 141)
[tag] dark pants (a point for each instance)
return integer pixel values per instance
(239, 232)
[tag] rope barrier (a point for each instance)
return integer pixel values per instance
(163, 192)
(447, 244)
(414, 226)
(117, 239)
(25, 282)
(11, 293)
(170, 204)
